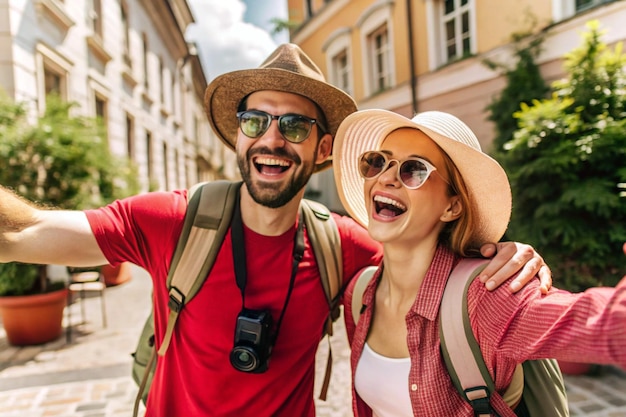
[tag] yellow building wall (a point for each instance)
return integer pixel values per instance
(497, 20)
(334, 20)
(420, 37)
(464, 87)
(401, 43)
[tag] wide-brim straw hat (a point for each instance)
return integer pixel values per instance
(287, 69)
(486, 181)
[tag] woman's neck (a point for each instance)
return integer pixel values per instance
(405, 267)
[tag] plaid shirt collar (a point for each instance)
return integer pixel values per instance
(430, 293)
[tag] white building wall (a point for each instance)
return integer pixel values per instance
(55, 33)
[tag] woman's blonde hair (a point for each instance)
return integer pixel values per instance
(458, 235)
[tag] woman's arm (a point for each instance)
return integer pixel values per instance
(581, 327)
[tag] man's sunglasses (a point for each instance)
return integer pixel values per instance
(412, 172)
(294, 127)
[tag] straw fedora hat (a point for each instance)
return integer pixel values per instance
(486, 180)
(287, 69)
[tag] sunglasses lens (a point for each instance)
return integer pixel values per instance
(253, 124)
(372, 164)
(294, 128)
(413, 173)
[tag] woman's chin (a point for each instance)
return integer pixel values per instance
(382, 232)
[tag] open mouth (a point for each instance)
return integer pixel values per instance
(387, 207)
(271, 166)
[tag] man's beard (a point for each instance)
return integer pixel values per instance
(273, 195)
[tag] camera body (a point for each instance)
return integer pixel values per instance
(253, 341)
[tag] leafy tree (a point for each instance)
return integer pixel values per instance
(524, 83)
(279, 25)
(60, 161)
(566, 161)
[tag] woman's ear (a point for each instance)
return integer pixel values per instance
(453, 210)
(324, 148)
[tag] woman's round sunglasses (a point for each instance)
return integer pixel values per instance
(412, 172)
(294, 127)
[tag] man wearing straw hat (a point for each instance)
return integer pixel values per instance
(280, 119)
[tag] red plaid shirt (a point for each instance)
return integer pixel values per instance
(510, 328)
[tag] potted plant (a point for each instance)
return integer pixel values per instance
(30, 314)
(61, 161)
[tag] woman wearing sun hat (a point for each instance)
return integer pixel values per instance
(427, 192)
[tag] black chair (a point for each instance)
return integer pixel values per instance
(81, 283)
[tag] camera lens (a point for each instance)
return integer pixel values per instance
(244, 358)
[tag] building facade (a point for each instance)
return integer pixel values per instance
(127, 62)
(410, 56)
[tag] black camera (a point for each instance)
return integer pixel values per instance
(253, 341)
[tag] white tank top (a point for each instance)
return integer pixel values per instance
(383, 383)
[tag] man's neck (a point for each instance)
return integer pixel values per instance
(268, 221)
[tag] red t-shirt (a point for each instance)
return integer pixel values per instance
(196, 378)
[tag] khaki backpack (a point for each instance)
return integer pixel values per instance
(538, 383)
(208, 217)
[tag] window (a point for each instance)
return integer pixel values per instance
(161, 80)
(130, 137)
(180, 94)
(341, 71)
(587, 4)
(337, 49)
(125, 34)
(456, 27)
(54, 83)
(100, 108)
(53, 71)
(166, 167)
(379, 57)
(197, 134)
(171, 92)
(96, 17)
(564, 9)
(153, 185)
(144, 59)
(53, 79)
(376, 31)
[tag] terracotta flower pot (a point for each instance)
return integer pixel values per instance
(33, 319)
(116, 275)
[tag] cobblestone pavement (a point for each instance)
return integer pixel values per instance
(89, 377)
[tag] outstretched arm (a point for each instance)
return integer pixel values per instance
(511, 257)
(34, 235)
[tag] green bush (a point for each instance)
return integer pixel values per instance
(59, 161)
(28, 277)
(566, 161)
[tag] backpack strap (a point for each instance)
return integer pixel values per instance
(363, 278)
(460, 350)
(206, 221)
(326, 244)
(204, 227)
